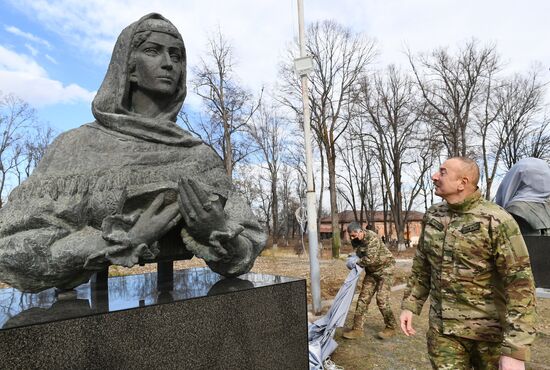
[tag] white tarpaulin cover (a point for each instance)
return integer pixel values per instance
(321, 332)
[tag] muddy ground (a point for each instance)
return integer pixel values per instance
(400, 352)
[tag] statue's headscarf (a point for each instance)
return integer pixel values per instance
(111, 104)
(528, 180)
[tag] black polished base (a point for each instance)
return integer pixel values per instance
(539, 254)
(205, 322)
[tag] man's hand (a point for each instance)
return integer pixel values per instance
(510, 363)
(406, 322)
(351, 261)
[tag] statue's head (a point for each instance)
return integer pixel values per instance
(149, 57)
(157, 58)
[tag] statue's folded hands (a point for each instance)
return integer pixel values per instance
(154, 222)
(202, 212)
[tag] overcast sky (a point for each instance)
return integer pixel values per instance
(54, 54)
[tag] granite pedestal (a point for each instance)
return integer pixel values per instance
(203, 322)
(539, 255)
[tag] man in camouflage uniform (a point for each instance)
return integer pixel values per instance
(473, 263)
(379, 264)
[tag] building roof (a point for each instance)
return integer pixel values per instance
(348, 216)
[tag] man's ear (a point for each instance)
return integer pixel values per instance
(464, 181)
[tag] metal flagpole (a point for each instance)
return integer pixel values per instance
(303, 66)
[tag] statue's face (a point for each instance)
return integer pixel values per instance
(159, 64)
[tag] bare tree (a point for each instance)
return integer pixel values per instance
(290, 202)
(507, 119)
(488, 129)
(246, 185)
(340, 58)
(357, 182)
(390, 103)
(429, 158)
(265, 201)
(351, 181)
(267, 130)
(538, 143)
(35, 147)
(16, 118)
(229, 106)
(452, 87)
(296, 159)
(522, 127)
(250, 182)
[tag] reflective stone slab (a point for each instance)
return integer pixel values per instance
(199, 320)
(125, 292)
(543, 293)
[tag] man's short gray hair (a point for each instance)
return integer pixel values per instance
(471, 169)
(354, 226)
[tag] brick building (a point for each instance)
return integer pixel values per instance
(412, 229)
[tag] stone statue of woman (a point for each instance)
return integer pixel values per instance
(130, 186)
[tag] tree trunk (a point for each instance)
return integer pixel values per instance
(228, 155)
(387, 234)
(334, 207)
(275, 210)
(321, 191)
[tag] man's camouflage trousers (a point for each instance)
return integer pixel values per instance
(379, 282)
(448, 352)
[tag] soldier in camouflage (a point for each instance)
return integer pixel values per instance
(379, 264)
(473, 263)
